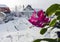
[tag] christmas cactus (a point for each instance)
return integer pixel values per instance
(50, 18)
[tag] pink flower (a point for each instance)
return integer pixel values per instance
(40, 20)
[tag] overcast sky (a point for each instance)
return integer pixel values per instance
(42, 4)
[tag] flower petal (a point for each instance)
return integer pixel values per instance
(40, 13)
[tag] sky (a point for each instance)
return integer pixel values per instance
(41, 4)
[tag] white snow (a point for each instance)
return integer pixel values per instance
(18, 31)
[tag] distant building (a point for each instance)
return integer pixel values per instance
(4, 8)
(28, 8)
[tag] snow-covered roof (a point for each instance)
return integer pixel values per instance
(28, 8)
(2, 5)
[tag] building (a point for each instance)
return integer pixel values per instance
(4, 8)
(28, 8)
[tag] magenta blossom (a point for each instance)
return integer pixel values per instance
(40, 20)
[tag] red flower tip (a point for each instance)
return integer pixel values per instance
(40, 13)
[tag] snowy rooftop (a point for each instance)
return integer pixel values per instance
(2, 5)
